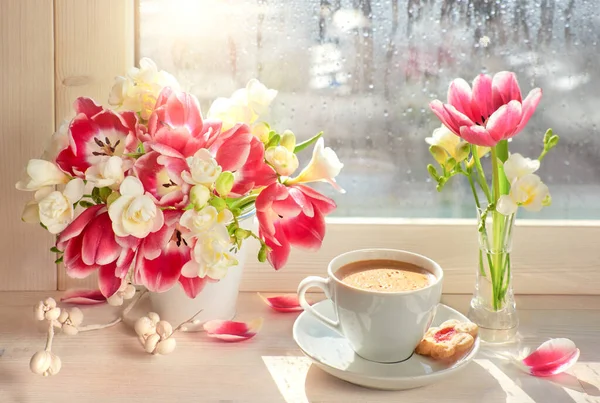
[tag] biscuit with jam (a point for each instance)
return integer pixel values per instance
(447, 340)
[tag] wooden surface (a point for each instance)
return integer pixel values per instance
(26, 124)
(94, 44)
(547, 259)
(109, 365)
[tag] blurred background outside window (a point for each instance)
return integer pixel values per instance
(364, 72)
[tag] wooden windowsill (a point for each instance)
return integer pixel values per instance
(110, 366)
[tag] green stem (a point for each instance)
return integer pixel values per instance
(243, 201)
(502, 155)
(481, 174)
(497, 230)
(469, 176)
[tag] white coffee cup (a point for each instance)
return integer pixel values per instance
(380, 326)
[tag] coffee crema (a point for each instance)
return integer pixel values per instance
(385, 275)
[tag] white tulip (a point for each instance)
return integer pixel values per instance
(324, 166)
(283, 160)
(528, 191)
(42, 173)
(134, 213)
(517, 166)
(108, 172)
(204, 169)
(55, 208)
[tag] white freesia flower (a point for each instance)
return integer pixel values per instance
(257, 96)
(108, 172)
(283, 160)
(210, 255)
(58, 142)
(261, 131)
(517, 166)
(324, 166)
(55, 208)
(134, 213)
(201, 222)
(41, 173)
(527, 191)
(246, 105)
(230, 112)
(204, 169)
(452, 145)
(139, 90)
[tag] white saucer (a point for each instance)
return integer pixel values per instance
(331, 352)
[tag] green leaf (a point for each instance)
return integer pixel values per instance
(304, 144)
(547, 136)
(86, 204)
(55, 250)
(96, 196)
(273, 141)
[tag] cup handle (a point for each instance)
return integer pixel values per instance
(324, 284)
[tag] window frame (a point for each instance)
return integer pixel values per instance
(550, 256)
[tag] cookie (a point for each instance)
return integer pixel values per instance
(447, 340)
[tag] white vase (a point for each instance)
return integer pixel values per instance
(217, 300)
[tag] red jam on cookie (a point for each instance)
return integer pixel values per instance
(450, 339)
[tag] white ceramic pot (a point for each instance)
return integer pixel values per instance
(217, 300)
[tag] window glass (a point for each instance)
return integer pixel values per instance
(364, 72)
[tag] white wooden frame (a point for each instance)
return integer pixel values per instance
(94, 41)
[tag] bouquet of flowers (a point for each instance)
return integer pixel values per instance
(149, 192)
(479, 121)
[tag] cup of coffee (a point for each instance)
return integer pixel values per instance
(384, 300)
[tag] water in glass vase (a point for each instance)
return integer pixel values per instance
(493, 306)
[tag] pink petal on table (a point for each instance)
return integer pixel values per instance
(551, 358)
(83, 297)
(283, 303)
(230, 331)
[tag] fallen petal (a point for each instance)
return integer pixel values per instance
(231, 331)
(83, 297)
(552, 357)
(283, 303)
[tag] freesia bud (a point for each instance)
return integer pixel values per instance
(224, 183)
(262, 254)
(283, 160)
(462, 151)
(261, 130)
(218, 203)
(199, 196)
(241, 233)
(288, 140)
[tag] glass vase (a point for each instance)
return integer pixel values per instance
(493, 306)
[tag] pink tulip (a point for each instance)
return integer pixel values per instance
(283, 303)
(231, 331)
(176, 127)
(489, 112)
(83, 297)
(293, 215)
(161, 177)
(161, 256)
(240, 152)
(96, 133)
(551, 358)
(89, 244)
